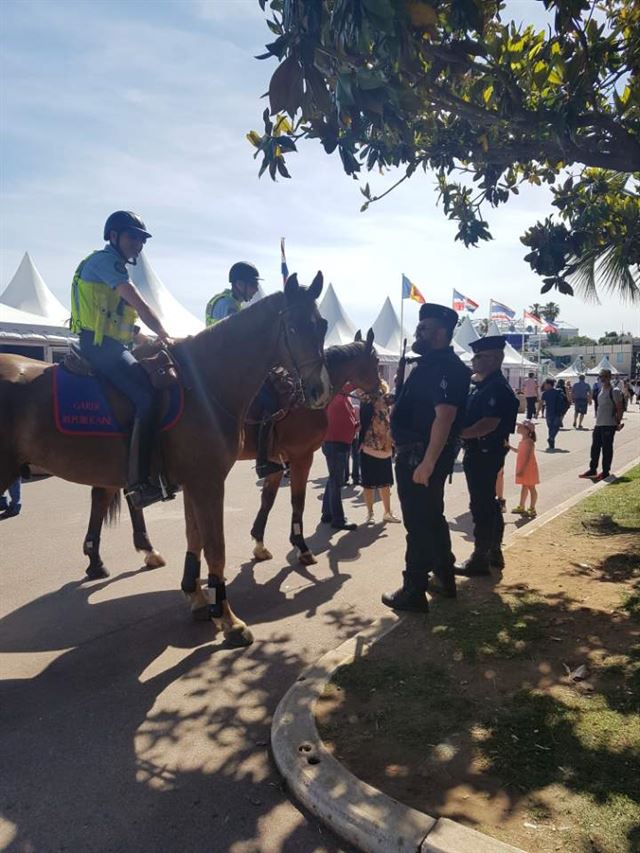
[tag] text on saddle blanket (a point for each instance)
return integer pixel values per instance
(81, 407)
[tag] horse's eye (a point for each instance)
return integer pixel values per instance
(292, 331)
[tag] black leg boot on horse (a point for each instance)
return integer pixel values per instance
(140, 491)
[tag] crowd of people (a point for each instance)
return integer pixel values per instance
(440, 408)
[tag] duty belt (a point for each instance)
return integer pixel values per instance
(401, 449)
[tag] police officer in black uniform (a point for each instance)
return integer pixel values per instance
(425, 423)
(492, 409)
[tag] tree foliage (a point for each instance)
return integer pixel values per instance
(449, 86)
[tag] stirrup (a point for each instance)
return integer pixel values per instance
(142, 495)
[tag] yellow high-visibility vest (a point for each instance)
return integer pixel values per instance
(97, 308)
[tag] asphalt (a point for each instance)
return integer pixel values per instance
(124, 726)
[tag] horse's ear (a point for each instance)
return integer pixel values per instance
(369, 341)
(315, 288)
(358, 336)
(291, 286)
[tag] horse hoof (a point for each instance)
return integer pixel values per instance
(239, 637)
(95, 573)
(154, 560)
(201, 614)
(307, 558)
(261, 553)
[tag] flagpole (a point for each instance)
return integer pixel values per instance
(401, 311)
(522, 348)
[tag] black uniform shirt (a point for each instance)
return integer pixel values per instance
(493, 397)
(438, 377)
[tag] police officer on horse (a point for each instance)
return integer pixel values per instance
(492, 409)
(244, 278)
(105, 305)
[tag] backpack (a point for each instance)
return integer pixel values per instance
(563, 402)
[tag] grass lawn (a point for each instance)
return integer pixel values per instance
(516, 709)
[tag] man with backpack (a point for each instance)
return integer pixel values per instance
(608, 421)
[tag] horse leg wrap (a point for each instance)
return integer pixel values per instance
(191, 573)
(91, 546)
(216, 593)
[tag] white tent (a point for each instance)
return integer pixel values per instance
(465, 334)
(340, 329)
(573, 370)
(28, 292)
(175, 318)
(387, 330)
(603, 364)
(512, 358)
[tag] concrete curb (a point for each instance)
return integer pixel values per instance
(359, 813)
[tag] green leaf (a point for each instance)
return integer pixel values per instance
(488, 92)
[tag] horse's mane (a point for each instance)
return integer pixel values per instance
(343, 352)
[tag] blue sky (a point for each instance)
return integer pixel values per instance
(145, 106)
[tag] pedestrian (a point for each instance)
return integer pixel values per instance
(553, 401)
(581, 396)
(608, 422)
(527, 476)
(565, 403)
(490, 418)
(530, 391)
(354, 453)
(425, 423)
(376, 449)
(341, 429)
(627, 394)
(12, 507)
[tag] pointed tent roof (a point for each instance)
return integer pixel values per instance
(573, 370)
(340, 329)
(465, 334)
(387, 330)
(175, 318)
(603, 364)
(28, 292)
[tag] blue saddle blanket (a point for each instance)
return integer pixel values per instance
(81, 407)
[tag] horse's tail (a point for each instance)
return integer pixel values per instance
(113, 510)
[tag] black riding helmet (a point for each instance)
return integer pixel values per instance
(243, 271)
(125, 220)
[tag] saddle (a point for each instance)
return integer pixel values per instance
(284, 391)
(156, 360)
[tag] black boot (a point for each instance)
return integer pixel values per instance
(264, 466)
(405, 599)
(139, 490)
(496, 558)
(477, 565)
(443, 585)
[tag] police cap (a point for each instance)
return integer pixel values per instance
(243, 271)
(489, 342)
(447, 316)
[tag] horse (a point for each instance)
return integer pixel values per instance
(295, 438)
(198, 452)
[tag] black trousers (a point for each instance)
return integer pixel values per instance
(602, 440)
(531, 406)
(428, 540)
(481, 468)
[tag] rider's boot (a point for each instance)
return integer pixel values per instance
(139, 490)
(264, 466)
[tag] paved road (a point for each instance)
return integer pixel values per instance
(123, 727)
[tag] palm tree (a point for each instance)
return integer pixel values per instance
(536, 309)
(550, 311)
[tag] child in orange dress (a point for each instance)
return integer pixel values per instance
(527, 474)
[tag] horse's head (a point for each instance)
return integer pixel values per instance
(301, 344)
(364, 370)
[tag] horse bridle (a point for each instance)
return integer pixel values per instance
(297, 367)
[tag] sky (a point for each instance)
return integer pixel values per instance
(145, 104)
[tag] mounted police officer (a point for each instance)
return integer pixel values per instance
(105, 305)
(244, 278)
(425, 423)
(492, 409)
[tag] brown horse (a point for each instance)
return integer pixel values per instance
(198, 453)
(295, 438)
